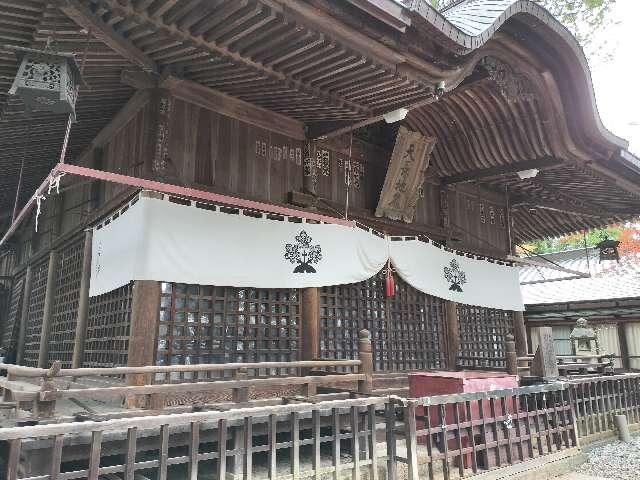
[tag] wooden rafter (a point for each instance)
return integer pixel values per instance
(174, 31)
(84, 17)
(498, 170)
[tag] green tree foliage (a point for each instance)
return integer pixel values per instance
(571, 242)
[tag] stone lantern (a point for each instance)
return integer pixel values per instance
(584, 341)
(46, 80)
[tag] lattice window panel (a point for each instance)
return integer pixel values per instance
(108, 328)
(482, 336)
(406, 329)
(10, 331)
(33, 328)
(210, 324)
(65, 307)
(417, 321)
(347, 309)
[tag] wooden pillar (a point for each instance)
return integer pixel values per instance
(452, 333)
(520, 334)
(624, 347)
(47, 311)
(145, 308)
(309, 331)
(24, 314)
(512, 356)
(310, 324)
(83, 303)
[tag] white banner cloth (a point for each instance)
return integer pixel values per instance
(456, 277)
(159, 240)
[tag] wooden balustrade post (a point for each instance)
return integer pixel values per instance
(24, 314)
(145, 308)
(365, 356)
(47, 311)
(240, 394)
(452, 335)
(520, 334)
(83, 303)
(512, 356)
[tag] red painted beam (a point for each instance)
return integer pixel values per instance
(169, 189)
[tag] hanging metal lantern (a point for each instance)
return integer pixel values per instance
(46, 81)
(609, 249)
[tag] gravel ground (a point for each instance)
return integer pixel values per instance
(617, 461)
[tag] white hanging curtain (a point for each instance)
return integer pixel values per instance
(456, 276)
(156, 239)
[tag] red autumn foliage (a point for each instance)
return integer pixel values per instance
(629, 241)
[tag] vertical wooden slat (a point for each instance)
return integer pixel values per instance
(547, 425)
(373, 453)
(335, 419)
(164, 452)
(390, 427)
(471, 436)
(316, 460)
(47, 312)
(222, 449)
(427, 423)
(194, 449)
(248, 448)
(452, 333)
(536, 423)
(14, 459)
(458, 436)
(130, 467)
(516, 401)
(411, 440)
(295, 444)
(83, 303)
(94, 456)
(496, 430)
(442, 421)
(527, 426)
(564, 434)
(505, 428)
(355, 443)
(56, 457)
(483, 428)
(24, 314)
(272, 447)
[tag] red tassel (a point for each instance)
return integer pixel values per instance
(390, 283)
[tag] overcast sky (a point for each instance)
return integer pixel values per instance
(616, 79)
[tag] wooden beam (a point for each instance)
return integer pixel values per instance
(568, 205)
(86, 18)
(480, 173)
(117, 123)
(532, 263)
(208, 98)
(173, 31)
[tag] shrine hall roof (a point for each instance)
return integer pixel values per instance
(330, 64)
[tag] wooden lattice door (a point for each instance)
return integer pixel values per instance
(406, 329)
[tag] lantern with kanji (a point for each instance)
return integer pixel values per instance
(609, 249)
(46, 80)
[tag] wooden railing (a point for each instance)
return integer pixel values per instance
(477, 432)
(140, 390)
(454, 436)
(597, 400)
(181, 438)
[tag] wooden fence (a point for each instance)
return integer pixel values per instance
(475, 432)
(446, 436)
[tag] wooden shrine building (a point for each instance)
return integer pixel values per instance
(288, 111)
